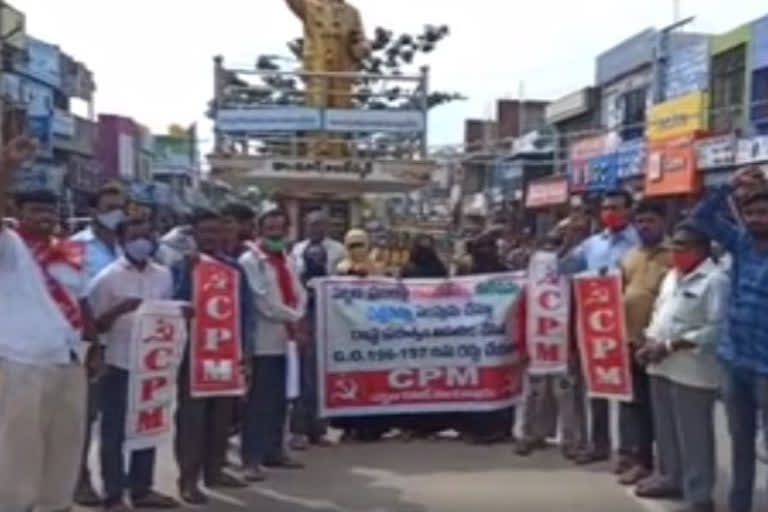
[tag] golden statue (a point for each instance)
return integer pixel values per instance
(334, 41)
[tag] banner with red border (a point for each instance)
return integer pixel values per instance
(215, 352)
(602, 336)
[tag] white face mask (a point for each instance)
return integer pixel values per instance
(139, 250)
(111, 219)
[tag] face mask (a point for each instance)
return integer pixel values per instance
(685, 261)
(139, 250)
(274, 243)
(613, 219)
(110, 220)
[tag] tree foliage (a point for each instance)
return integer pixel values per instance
(391, 54)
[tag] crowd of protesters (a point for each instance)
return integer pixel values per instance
(695, 315)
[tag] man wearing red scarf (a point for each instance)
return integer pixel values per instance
(280, 302)
(42, 383)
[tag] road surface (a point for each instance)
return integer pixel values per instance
(435, 476)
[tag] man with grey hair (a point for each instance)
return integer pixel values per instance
(317, 256)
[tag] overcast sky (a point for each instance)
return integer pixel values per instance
(152, 59)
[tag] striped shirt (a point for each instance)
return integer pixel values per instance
(744, 343)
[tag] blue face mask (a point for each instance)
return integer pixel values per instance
(139, 250)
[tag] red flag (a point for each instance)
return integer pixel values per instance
(215, 351)
(602, 336)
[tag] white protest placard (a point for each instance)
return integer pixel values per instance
(548, 310)
(157, 345)
(388, 346)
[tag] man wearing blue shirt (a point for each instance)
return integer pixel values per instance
(743, 347)
(101, 249)
(601, 252)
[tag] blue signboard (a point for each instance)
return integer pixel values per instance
(760, 43)
(631, 158)
(603, 172)
(687, 70)
(42, 63)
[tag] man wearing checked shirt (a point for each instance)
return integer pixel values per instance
(743, 348)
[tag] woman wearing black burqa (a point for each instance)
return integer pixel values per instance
(495, 426)
(424, 263)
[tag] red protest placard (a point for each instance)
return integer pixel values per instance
(215, 352)
(547, 313)
(602, 336)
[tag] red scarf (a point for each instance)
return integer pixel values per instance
(279, 263)
(51, 250)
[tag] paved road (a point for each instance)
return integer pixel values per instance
(430, 476)
(438, 476)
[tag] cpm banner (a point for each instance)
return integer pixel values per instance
(548, 312)
(602, 336)
(215, 345)
(389, 346)
(157, 343)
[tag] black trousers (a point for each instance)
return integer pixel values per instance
(601, 425)
(636, 432)
(202, 433)
(265, 412)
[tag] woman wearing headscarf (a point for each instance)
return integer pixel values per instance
(358, 262)
(495, 426)
(423, 260)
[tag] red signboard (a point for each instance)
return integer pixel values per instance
(546, 193)
(215, 350)
(602, 336)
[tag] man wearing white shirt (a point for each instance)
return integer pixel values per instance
(101, 249)
(684, 371)
(317, 234)
(42, 383)
(280, 301)
(113, 297)
(316, 256)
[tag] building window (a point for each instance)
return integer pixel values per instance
(728, 74)
(759, 108)
(635, 102)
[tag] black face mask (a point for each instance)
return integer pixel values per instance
(315, 261)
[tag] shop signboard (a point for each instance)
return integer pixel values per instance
(173, 155)
(83, 139)
(671, 167)
(39, 176)
(581, 151)
(677, 117)
(603, 172)
(264, 120)
(547, 192)
(42, 63)
(754, 150)
(715, 152)
(687, 70)
(380, 121)
(630, 156)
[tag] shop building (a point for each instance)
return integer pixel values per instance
(730, 81)
(758, 112)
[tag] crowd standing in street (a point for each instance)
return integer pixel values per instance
(695, 326)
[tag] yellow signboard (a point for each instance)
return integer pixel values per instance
(680, 116)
